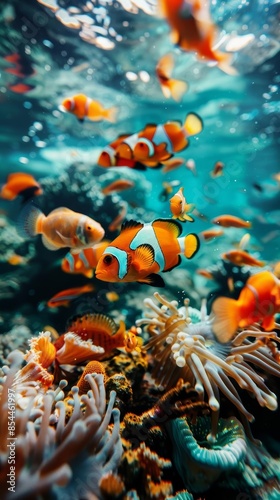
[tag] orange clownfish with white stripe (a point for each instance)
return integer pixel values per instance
(156, 143)
(180, 208)
(109, 157)
(60, 228)
(84, 107)
(143, 250)
(85, 261)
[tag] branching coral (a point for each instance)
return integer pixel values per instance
(51, 453)
(181, 348)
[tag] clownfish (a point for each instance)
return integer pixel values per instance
(20, 184)
(157, 143)
(193, 30)
(258, 301)
(180, 208)
(109, 158)
(60, 228)
(84, 107)
(153, 145)
(169, 86)
(85, 261)
(142, 250)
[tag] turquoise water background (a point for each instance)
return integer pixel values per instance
(240, 113)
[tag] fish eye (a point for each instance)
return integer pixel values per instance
(108, 259)
(89, 228)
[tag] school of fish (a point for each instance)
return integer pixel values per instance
(141, 252)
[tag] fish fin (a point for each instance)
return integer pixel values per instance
(225, 63)
(129, 224)
(175, 265)
(67, 241)
(149, 125)
(165, 65)
(226, 318)
(144, 257)
(160, 147)
(139, 166)
(111, 114)
(88, 274)
(123, 136)
(28, 220)
(90, 322)
(193, 124)
(152, 280)
(276, 294)
(61, 209)
(188, 218)
(192, 245)
(48, 244)
(268, 323)
(175, 37)
(237, 43)
(171, 225)
(153, 164)
(166, 90)
(177, 89)
(189, 207)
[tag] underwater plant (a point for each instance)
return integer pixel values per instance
(182, 348)
(55, 455)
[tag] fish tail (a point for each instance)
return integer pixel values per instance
(191, 245)
(226, 313)
(120, 336)
(193, 124)
(225, 63)
(29, 222)
(177, 89)
(111, 114)
(188, 218)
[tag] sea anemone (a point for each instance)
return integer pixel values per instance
(51, 452)
(181, 348)
(199, 462)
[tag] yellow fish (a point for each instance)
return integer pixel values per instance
(180, 208)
